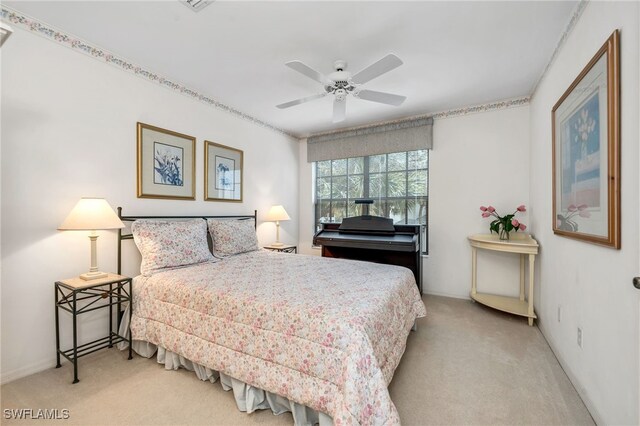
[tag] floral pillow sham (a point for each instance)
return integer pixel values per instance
(232, 237)
(169, 244)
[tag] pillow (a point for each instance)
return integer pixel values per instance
(232, 237)
(168, 244)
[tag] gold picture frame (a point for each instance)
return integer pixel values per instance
(166, 164)
(586, 152)
(223, 173)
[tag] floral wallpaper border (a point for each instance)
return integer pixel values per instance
(16, 18)
(509, 103)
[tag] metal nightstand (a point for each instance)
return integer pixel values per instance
(78, 296)
(283, 249)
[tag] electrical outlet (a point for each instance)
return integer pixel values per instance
(559, 313)
(580, 337)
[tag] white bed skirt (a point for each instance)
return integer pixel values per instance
(248, 398)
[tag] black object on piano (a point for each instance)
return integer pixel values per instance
(365, 207)
(374, 239)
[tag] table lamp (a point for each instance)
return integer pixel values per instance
(276, 214)
(91, 214)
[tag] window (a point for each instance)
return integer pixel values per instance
(397, 182)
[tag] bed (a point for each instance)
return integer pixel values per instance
(314, 334)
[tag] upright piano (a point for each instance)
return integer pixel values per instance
(373, 239)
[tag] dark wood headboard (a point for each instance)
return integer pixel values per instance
(129, 236)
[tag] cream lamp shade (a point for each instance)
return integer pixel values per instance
(91, 214)
(276, 214)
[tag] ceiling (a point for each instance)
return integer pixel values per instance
(455, 54)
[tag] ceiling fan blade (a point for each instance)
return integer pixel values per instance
(376, 69)
(381, 97)
(339, 110)
(301, 101)
(308, 71)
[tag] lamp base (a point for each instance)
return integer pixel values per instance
(277, 244)
(93, 275)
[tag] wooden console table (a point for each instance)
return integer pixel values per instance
(522, 244)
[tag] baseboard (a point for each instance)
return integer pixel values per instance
(593, 411)
(27, 370)
(454, 296)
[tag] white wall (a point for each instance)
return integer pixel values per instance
(592, 284)
(478, 159)
(69, 130)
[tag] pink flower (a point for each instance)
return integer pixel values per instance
(486, 214)
(483, 208)
(582, 207)
(490, 209)
(521, 208)
(515, 223)
(522, 227)
(584, 213)
(572, 208)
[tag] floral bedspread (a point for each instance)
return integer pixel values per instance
(325, 333)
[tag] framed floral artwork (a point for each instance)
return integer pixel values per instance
(586, 152)
(166, 164)
(222, 172)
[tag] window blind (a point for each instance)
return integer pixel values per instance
(409, 135)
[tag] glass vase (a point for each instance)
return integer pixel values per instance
(504, 234)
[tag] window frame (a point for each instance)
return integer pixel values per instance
(366, 193)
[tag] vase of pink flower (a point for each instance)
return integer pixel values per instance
(503, 225)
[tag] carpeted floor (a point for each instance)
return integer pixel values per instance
(465, 365)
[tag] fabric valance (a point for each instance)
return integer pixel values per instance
(409, 135)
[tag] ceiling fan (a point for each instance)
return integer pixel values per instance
(341, 83)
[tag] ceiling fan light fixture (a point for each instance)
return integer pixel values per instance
(341, 94)
(341, 83)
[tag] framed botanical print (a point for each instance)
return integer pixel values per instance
(166, 164)
(586, 152)
(222, 172)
